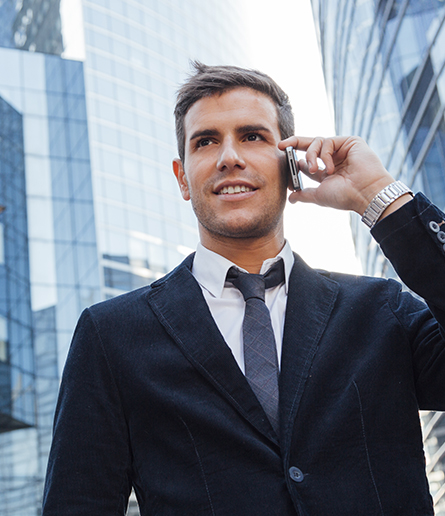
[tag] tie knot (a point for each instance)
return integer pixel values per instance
(254, 285)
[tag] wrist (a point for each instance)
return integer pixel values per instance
(388, 200)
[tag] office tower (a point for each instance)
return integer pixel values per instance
(384, 69)
(136, 55)
(16, 382)
(48, 216)
(96, 210)
(33, 25)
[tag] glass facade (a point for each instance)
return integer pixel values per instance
(137, 53)
(104, 213)
(17, 397)
(17, 368)
(32, 25)
(46, 190)
(384, 69)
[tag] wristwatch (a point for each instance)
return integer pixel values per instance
(382, 200)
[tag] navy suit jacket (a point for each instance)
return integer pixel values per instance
(152, 396)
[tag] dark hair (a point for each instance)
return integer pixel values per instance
(212, 80)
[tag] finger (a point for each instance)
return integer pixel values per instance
(292, 141)
(307, 195)
(318, 147)
(313, 152)
(298, 142)
(317, 175)
(302, 164)
(326, 155)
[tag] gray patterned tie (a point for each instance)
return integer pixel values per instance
(260, 350)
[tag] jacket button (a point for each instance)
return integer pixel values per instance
(434, 226)
(296, 474)
(441, 237)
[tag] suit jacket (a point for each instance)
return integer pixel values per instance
(152, 396)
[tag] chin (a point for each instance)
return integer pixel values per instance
(252, 229)
(240, 223)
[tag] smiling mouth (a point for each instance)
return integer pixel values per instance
(235, 189)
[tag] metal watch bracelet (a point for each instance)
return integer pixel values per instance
(382, 200)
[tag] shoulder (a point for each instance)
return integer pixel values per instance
(135, 305)
(353, 284)
(372, 295)
(347, 283)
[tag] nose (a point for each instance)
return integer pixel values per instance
(230, 157)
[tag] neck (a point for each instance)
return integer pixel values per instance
(247, 253)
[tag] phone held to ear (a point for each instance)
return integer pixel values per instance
(294, 168)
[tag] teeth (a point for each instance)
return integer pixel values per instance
(235, 189)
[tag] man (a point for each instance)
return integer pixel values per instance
(161, 391)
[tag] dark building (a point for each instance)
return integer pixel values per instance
(32, 25)
(17, 388)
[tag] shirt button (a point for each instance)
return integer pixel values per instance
(296, 474)
(441, 237)
(434, 226)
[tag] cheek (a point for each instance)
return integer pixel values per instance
(283, 172)
(197, 178)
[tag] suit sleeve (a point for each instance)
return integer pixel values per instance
(89, 467)
(413, 239)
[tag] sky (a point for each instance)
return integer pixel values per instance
(283, 44)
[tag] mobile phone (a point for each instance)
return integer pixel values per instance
(294, 168)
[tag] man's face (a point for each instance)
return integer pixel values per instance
(233, 171)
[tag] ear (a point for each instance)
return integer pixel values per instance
(178, 170)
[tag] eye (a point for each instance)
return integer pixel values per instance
(204, 142)
(253, 137)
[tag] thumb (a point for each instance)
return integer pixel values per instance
(305, 195)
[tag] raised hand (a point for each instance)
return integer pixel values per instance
(353, 176)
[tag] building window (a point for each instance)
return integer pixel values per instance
(3, 339)
(2, 245)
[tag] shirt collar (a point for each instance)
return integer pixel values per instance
(210, 269)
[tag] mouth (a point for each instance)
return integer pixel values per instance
(234, 189)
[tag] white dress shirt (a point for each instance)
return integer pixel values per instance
(226, 303)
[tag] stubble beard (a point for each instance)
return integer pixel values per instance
(239, 228)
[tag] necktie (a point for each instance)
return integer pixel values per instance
(260, 350)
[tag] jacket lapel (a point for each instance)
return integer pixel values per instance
(310, 303)
(178, 303)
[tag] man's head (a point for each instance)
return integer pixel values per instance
(216, 80)
(233, 171)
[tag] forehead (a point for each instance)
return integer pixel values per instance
(235, 107)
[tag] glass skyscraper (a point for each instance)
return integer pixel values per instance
(16, 353)
(89, 207)
(33, 25)
(136, 55)
(49, 267)
(384, 68)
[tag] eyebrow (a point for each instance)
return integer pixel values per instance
(204, 132)
(253, 128)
